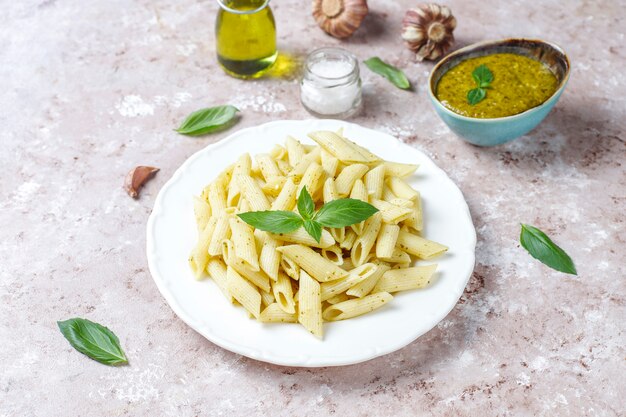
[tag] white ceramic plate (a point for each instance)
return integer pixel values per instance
(172, 233)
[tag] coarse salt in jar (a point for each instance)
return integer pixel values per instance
(331, 85)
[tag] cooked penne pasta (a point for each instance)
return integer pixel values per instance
(258, 278)
(405, 279)
(295, 151)
(374, 181)
(310, 304)
(291, 277)
(283, 292)
(312, 262)
(347, 177)
(418, 246)
(386, 242)
(364, 243)
(274, 314)
(252, 192)
(367, 285)
(244, 292)
(391, 213)
(217, 270)
(400, 188)
(302, 237)
(244, 242)
(356, 307)
(357, 275)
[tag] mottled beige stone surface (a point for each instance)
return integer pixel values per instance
(92, 88)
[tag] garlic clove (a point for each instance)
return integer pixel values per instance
(427, 30)
(137, 177)
(339, 18)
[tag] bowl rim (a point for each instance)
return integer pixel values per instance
(494, 43)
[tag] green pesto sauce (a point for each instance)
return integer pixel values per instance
(519, 83)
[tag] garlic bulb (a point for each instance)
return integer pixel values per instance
(339, 18)
(427, 30)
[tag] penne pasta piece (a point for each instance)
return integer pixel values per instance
(202, 212)
(418, 246)
(217, 271)
(274, 314)
(310, 305)
(312, 262)
(387, 194)
(221, 232)
(244, 242)
(356, 307)
(402, 202)
(290, 267)
(329, 192)
(329, 164)
(334, 254)
(405, 279)
(267, 298)
(358, 274)
(348, 176)
(400, 188)
(244, 292)
(295, 151)
(300, 168)
(301, 236)
(397, 169)
(269, 260)
(397, 256)
(338, 233)
(217, 197)
(364, 244)
(367, 285)
(267, 166)
(343, 149)
(273, 186)
(258, 278)
(312, 179)
(286, 199)
(358, 192)
(252, 192)
(347, 264)
(391, 213)
(415, 220)
(284, 166)
(242, 167)
(349, 238)
(338, 298)
(386, 242)
(374, 181)
(200, 254)
(278, 152)
(284, 294)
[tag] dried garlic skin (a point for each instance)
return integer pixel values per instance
(339, 18)
(427, 31)
(137, 177)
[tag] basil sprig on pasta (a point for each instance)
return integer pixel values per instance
(337, 213)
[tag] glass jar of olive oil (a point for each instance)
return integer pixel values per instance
(245, 33)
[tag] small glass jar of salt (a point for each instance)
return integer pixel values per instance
(331, 85)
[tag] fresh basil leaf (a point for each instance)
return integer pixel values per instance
(314, 229)
(306, 206)
(393, 74)
(344, 212)
(93, 340)
(207, 120)
(272, 221)
(482, 76)
(476, 95)
(542, 248)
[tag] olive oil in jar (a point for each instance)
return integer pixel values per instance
(245, 32)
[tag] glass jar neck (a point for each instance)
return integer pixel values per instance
(243, 6)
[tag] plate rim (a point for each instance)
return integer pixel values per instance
(260, 354)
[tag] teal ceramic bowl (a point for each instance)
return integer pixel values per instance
(495, 131)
